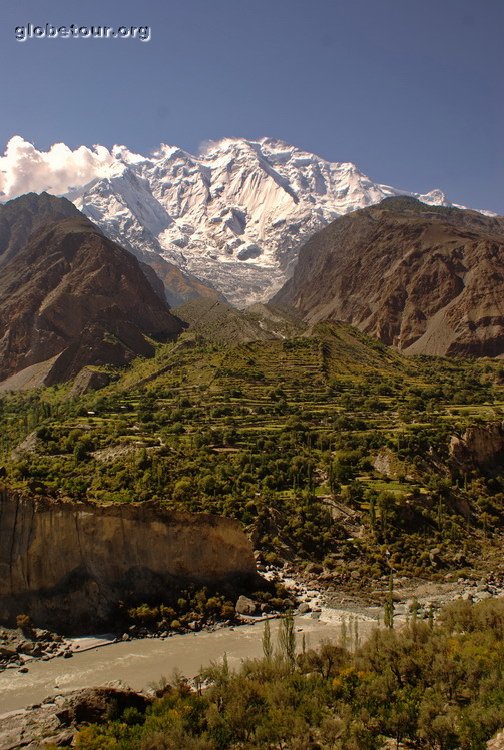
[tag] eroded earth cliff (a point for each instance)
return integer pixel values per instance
(68, 565)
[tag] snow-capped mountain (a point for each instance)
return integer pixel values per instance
(235, 216)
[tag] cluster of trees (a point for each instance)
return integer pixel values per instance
(198, 607)
(276, 452)
(432, 686)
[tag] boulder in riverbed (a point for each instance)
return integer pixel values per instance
(245, 606)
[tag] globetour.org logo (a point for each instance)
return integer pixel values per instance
(74, 31)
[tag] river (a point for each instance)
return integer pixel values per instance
(142, 663)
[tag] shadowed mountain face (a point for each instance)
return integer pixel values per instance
(179, 286)
(428, 280)
(70, 297)
(20, 218)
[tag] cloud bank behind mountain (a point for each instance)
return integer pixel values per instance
(23, 168)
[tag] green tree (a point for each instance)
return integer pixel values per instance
(267, 644)
(287, 639)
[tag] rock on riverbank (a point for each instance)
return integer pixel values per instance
(56, 720)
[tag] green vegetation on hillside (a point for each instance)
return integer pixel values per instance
(431, 687)
(330, 447)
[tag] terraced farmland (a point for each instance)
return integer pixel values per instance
(328, 446)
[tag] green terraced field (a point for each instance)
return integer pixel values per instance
(269, 431)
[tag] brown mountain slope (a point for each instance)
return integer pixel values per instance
(179, 286)
(425, 279)
(21, 217)
(71, 297)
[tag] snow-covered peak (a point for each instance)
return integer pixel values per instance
(209, 149)
(169, 153)
(115, 169)
(124, 155)
(434, 198)
(235, 214)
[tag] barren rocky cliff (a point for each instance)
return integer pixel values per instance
(426, 279)
(68, 565)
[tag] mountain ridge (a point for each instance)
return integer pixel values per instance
(226, 223)
(70, 297)
(427, 280)
(234, 215)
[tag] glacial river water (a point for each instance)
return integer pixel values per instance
(140, 663)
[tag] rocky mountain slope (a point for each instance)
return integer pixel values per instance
(219, 322)
(69, 296)
(425, 279)
(21, 217)
(235, 215)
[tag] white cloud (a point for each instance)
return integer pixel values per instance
(24, 169)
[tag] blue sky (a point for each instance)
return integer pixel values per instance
(410, 90)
